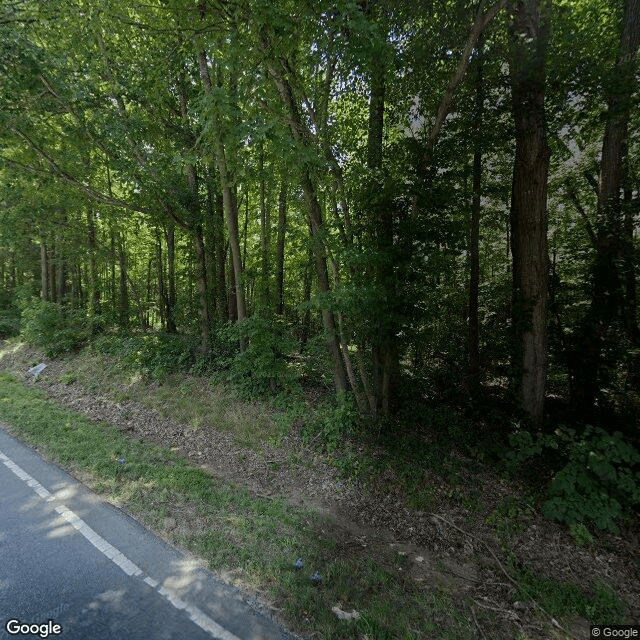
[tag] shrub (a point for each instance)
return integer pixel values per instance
(596, 479)
(330, 425)
(53, 327)
(9, 324)
(600, 482)
(154, 355)
(262, 367)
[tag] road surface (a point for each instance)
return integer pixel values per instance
(76, 568)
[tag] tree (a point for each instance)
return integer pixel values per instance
(529, 203)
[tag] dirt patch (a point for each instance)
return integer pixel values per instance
(451, 546)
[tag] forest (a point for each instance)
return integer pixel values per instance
(396, 206)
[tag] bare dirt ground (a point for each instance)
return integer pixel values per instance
(450, 546)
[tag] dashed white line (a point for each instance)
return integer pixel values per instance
(196, 615)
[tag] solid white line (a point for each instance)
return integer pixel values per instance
(196, 615)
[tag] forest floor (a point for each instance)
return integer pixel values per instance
(471, 548)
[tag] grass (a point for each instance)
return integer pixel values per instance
(238, 533)
(187, 399)
(253, 541)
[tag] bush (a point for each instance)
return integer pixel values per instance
(154, 355)
(598, 479)
(600, 482)
(330, 425)
(9, 324)
(262, 367)
(53, 327)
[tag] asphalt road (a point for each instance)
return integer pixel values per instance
(67, 558)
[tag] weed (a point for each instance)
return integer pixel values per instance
(565, 598)
(68, 378)
(254, 538)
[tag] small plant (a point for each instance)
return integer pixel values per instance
(261, 367)
(597, 477)
(68, 378)
(9, 324)
(154, 356)
(580, 534)
(330, 424)
(600, 482)
(53, 327)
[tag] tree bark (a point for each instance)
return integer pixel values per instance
(94, 291)
(228, 196)
(282, 230)
(384, 348)
(529, 205)
(610, 302)
(52, 261)
(631, 306)
(201, 287)
(609, 295)
(265, 238)
(123, 303)
(301, 135)
(474, 231)
(170, 236)
(44, 269)
(162, 292)
(220, 249)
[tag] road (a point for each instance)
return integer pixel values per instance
(67, 558)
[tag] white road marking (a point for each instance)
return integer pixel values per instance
(196, 615)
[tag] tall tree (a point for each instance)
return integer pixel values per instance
(528, 216)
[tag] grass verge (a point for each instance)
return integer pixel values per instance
(236, 532)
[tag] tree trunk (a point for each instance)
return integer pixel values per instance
(529, 206)
(44, 269)
(328, 320)
(228, 197)
(265, 238)
(170, 236)
(384, 347)
(282, 230)
(94, 291)
(610, 302)
(233, 299)
(305, 326)
(474, 232)
(609, 298)
(112, 267)
(53, 290)
(220, 249)
(162, 293)
(195, 227)
(201, 286)
(301, 135)
(123, 303)
(61, 277)
(631, 306)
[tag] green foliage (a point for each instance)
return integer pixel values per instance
(600, 606)
(9, 324)
(54, 328)
(261, 367)
(580, 534)
(597, 476)
(600, 482)
(330, 424)
(154, 355)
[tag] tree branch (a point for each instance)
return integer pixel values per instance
(68, 178)
(479, 25)
(583, 214)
